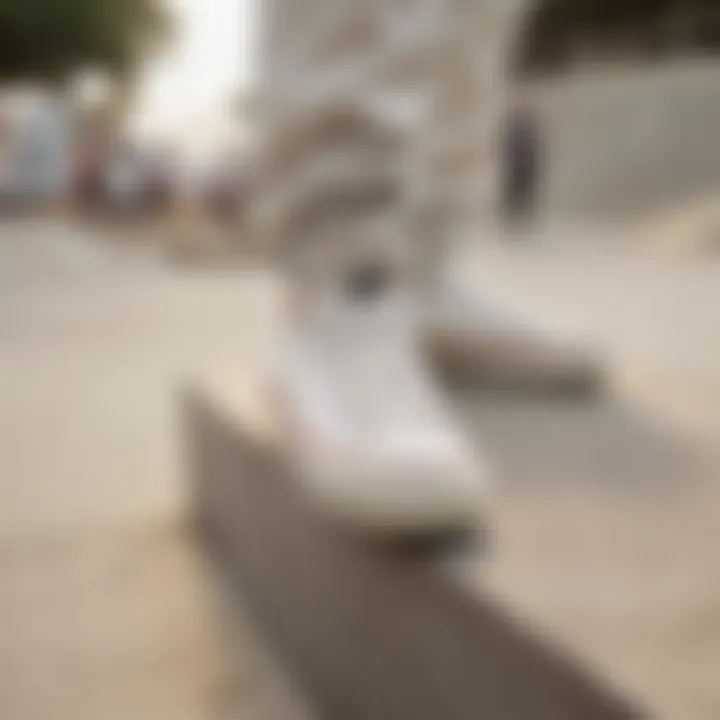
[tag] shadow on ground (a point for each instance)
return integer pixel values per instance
(544, 442)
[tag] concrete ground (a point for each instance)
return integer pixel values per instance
(617, 558)
(103, 607)
(103, 610)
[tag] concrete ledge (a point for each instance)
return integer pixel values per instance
(369, 632)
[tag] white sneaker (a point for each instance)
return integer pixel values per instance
(374, 446)
(473, 331)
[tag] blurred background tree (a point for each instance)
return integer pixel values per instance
(563, 32)
(52, 40)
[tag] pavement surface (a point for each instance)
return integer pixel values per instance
(104, 606)
(610, 542)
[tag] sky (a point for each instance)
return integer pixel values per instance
(185, 92)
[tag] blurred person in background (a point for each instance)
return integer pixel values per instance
(522, 163)
(91, 161)
(160, 181)
(125, 180)
(5, 163)
(244, 193)
(224, 187)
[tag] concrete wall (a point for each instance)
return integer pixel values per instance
(629, 141)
